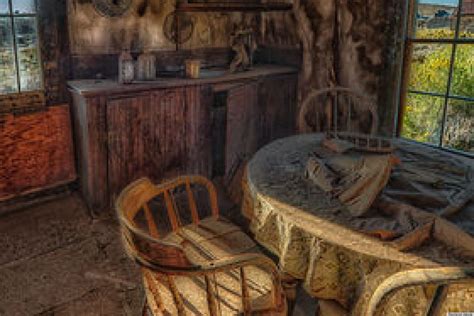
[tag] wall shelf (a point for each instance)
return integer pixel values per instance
(186, 6)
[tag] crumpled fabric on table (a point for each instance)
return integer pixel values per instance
(354, 178)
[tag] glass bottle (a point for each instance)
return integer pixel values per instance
(146, 66)
(126, 67)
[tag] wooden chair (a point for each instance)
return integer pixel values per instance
(442, 278)
(338, 109)
(201, 264)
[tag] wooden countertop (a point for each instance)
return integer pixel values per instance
(92, 87)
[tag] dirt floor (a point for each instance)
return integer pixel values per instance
(56, 260)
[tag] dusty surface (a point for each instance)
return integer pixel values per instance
(92, 87)
(56, 260)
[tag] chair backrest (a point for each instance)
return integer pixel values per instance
(337, 109)
(441, 277)
(143, 208)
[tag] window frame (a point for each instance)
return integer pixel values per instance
(408, 42)
(11, 16)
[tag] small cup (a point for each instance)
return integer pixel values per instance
(193, 67)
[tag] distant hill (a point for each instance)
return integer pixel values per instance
(448, 3)
(429, 10)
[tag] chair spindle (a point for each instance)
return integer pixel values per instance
(178, 300)
(245, 293)
(171, 211)
(192, 203)
(152, 228)
(211, 299)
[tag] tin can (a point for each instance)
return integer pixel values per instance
(192, 67)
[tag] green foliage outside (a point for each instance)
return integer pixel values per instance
(429, 73)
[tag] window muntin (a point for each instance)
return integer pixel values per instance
(20, 66)
(438, 108)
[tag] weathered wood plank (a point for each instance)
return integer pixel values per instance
(242, 135)
(198, 129)
(127, 126)
(36, 151)
(89, 133)
(158, 135)
(257, 113)
(243, 120)
(278, 98)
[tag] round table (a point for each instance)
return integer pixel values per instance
(319, 243)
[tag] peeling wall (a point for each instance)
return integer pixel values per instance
(352, 43)
(142, 28)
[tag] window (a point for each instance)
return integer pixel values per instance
(20, 68)
(438, 99)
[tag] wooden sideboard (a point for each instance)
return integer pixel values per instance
(178, 126)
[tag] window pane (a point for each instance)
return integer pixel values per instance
(436, 18)
(27, 50)
(4, 7)
(430, 67)
(466, 27)
(8, 81)
(422, 119)
(459, 126)
(23, 6)
(463, 71)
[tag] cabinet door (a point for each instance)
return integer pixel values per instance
(278, 101)
(125, 143)
(242, 133)
(158, 135)
(146, 137)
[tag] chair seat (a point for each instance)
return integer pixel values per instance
(212, 238)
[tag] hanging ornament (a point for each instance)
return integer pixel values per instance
(112, 8)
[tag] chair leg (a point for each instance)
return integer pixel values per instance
(145, 308)
(289, 285)
(318, 309)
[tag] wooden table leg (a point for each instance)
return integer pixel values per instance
(145, 308)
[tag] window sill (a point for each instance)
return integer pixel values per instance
(445, 149)
(24, 102)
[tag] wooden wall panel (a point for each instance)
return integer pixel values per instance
(36, 151)
(257, 113)
(244, 115)
(243, 120)
(54, 46)
(278, 99)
